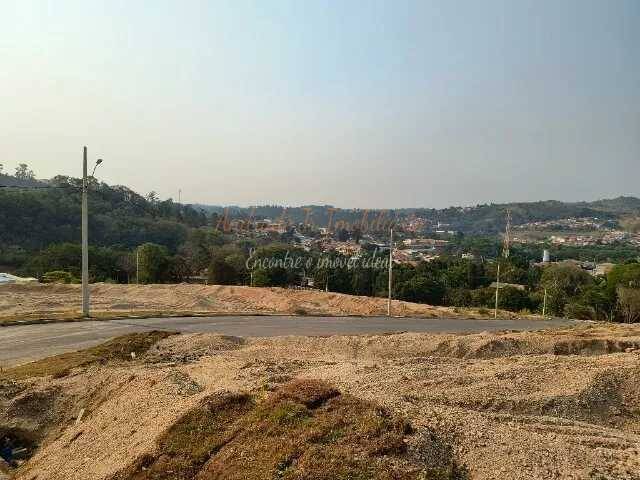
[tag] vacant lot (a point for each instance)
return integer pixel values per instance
(39, 300)
(537, 405)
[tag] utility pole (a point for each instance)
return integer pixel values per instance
(85, 237)
(138, 265)
(544, 304)
(505, 254)
(495, 311)
(390, 271)
(85, 231)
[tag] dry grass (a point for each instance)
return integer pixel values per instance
(304, 430)
(58, 366)
(190, 442)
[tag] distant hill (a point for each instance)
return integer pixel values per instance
(480, 219)
(619, 205)
(35, 214)
(8, 181)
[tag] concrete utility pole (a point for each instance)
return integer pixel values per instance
(85, 232)
(390, 271)
(85, 237)
(495, 311)
(505, 254)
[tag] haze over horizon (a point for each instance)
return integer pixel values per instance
(356, 104)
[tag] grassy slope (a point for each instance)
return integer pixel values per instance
(119, 348)
(305, 430)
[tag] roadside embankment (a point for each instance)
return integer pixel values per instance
(56, 302)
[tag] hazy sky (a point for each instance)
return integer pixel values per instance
(352, 103)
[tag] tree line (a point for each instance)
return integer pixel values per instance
(137, 238)
(562, 289)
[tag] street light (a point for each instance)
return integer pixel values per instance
(98, 162)
(85, 232)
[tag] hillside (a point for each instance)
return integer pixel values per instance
(35, 214)
(480, 219)
(10, 181)
(32, 218)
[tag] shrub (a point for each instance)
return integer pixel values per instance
(65, 372)
(59, 276)
(513, 299)
(459, 297)
(629, 303)
(579, 311)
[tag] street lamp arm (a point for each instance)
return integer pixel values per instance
(96, 166)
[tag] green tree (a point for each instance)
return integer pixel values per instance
(261, 278)
(221, 272)
(421, 289)
(514, 299)
(198, 248)
(363, 276)
(103, 262)
(228, 266)
(155, 263)
(563, 282)
(283, 264)
(23, 172)
(596, 301)
(580, 311)
(625, 275)
(179, 270)
(459, 297)
(126, 263)
(629, 303)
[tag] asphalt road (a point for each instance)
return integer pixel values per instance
(20, 344)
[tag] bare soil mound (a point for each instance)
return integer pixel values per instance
(126, 347)
(506, 405)
(304, 430)
(38, 300)
(176, 349)
(584, 340)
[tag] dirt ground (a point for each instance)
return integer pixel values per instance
(554, 404)
(38, 300)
